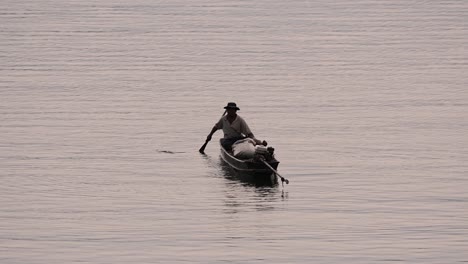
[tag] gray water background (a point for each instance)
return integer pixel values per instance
(104, 104)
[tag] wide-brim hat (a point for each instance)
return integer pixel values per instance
(231, 105)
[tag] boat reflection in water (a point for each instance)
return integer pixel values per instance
(250, 178)
(265, 186)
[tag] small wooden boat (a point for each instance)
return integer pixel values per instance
(256, 168)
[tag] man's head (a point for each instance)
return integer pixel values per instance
(231, 108)
(231, 105)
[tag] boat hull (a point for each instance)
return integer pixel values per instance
(249, 169)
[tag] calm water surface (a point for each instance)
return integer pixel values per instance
(104, 104)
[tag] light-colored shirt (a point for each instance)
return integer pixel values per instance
(237, 128)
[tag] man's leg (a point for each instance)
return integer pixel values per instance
(227, 142)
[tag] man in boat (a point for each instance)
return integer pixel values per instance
(234, 127)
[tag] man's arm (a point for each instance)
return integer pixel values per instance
(213, 130)
(257, 141)
(248, 133)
